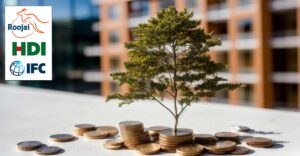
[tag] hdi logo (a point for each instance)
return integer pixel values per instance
(28, 43)
(29, 48)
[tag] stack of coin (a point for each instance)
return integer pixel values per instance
(62, 137)
(154, 131)
(205, 139)
(133, 133)
(259, 142)
(190, 150)
(228, 136)
(80, 129)
(240, 150)
(221, 147)
(169, 140)
(96, 135)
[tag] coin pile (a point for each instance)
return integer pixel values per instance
(259, 142)
(238, 128)
(169, 140)
(205, 139)
(133, 133)
(148, 149)
(80, 129)
(190, 150)
(114, 144)
(228, 136)
(221, 147)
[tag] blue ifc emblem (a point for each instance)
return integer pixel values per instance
(17, 68)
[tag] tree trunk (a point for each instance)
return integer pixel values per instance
(176, 125)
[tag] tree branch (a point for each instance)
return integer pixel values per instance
(182, 109)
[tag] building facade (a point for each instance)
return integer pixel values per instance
(260, 42)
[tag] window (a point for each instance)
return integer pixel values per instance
(246, 61)
(285, 60)
(114, 64)
(245, 28)
(284, 23)
(285, 95)
(166, 3)
(221, 96)
(132, 36)
(113, 12)
(220, 29)
(114, 37)
(138, 8)
(246, 95)
(222, 57)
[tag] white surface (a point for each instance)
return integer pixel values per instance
(34, 114)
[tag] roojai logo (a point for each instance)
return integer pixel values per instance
(21, 26)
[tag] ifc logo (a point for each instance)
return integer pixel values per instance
(17, 68)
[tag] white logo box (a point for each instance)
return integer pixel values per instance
(39, 21)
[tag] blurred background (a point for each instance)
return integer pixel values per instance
(260, 43)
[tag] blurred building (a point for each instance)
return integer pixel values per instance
(75, 45)
(260, 42)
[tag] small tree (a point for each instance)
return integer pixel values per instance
(170, 56)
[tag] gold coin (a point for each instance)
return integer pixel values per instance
(112, 131)
(48, 150)
(147, 149)
(181, 132)
(259, 141)
(112, 147)
(29, 145)
(96, 135)
(221, 146)
(61, 137)
(227, 135)
(240, 150)
(156, 129)
(85, 127)
(115, 142)
(190, 149)
(130, 123)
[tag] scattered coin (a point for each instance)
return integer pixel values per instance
(112, 131)
(221, 147)
(147, 149)
(240, 128)
(62, 137)
(112, 147)
(48, 150)
(204, 139)
(115, 142)
(96, 135)
(29, 145)
(190, 150)
(85, 127)
(228, 136)
(259, 142)
(240, 150)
